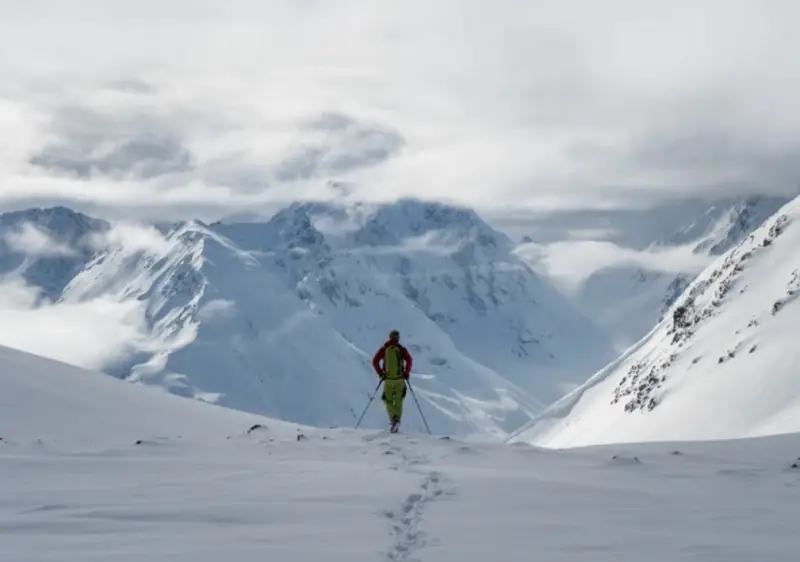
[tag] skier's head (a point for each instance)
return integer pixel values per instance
(394, 335)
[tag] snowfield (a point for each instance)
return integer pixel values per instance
(722, 363)
(93, 468)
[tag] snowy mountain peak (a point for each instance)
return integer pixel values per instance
(291, 229)
(56, 218)
(321, 228)
(298, 232)
(429, 221)
(420, 215)
(744, 217)
(720, 364)
(726, 224)
(59, 223)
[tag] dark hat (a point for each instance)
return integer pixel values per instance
(394, 335)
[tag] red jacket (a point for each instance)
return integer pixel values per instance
(378, 357)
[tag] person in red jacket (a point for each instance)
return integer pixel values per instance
(392, 362)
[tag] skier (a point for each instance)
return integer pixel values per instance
(394, 372)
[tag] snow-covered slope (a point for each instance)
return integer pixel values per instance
(93, 468)
(282, 317)
(43, 400)
(721, 364)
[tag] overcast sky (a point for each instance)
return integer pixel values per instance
(192, 107)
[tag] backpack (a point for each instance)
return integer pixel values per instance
(393, 364)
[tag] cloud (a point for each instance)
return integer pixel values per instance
(217, 308)
(239, 106)
(346, 145)
(131, 238)
(91, 143)
(336, 225)
(571, 263)
(434, 242)
(35, 243)
(89, 334)
(93, 325)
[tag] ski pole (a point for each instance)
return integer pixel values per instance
(418, 408)
(371, 398)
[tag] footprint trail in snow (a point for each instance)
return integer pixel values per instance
(406, 520)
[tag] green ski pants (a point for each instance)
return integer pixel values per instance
(394, 392)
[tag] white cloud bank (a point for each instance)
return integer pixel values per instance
(89, 334)
(35, 243)
(233, 106)
(88, 328)
(571, 263)
(131, 237)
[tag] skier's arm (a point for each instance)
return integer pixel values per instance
(408, 360)
(376, 361)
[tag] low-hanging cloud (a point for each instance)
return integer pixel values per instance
(90, 334)
(571, 263)
(93, 325)
(34, 242)
(433, 242)
(131, 238)
(217, 309)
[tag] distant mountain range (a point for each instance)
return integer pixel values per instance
(282, 317)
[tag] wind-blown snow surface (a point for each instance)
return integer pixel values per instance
(723, 363)
(92, 468)
(282, 317)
